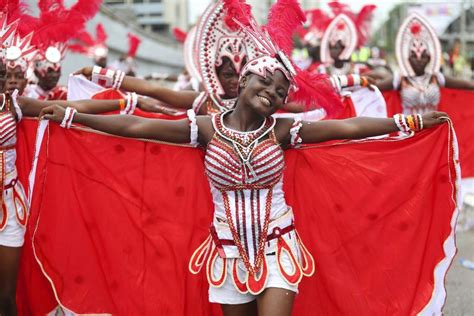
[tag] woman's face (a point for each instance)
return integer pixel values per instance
(15, 79)
(229, 79)
(419, 63)
(336, 50)
(265, 95)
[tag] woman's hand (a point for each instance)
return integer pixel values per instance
(86, 72)
(53, 113)
(433, 119)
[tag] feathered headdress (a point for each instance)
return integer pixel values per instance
(20, 52)
(94, 48)
(219, 37)
(55, 26)
(273, 44)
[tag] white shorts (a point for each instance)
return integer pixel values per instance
(13, 234)
(228, 294)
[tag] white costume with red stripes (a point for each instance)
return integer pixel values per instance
(253, 243)
(14, 211)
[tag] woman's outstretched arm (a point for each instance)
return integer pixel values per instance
(176, 99)
(126, 125)
(354, 128)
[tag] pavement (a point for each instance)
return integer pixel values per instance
(460, 280)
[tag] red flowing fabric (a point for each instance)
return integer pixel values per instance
(118, 219)
(459, 104)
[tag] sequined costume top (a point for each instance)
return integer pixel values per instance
(419, 94)
(251, 217)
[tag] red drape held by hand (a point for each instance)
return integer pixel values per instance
(118, 219)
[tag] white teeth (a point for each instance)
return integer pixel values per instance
(265, 100)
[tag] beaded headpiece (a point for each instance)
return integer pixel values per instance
(416, 35)
(49, 58)
(190, 54)
(7, 34)
(343, 29)
(20, 52)
(218, 38)
(273, 44)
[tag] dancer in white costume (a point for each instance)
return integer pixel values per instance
(419, 79)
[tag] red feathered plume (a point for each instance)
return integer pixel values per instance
(56, 24)
(17, 10)
(315, 91)
(101, 35)
(238, 10)
(284, 18)
(133, 43)
(179, 34)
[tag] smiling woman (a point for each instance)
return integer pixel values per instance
(254, 257)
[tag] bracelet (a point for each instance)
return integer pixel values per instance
(122, 105)
(118, 78)
(420, 119)
(132, 101)
(410, 123)
(102, 76)
(68, 117)
(193, 128)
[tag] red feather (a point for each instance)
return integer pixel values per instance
(284, 18)
(179, 34)
(316, 91)
(101, 35)
(133, 43)
(238, 10)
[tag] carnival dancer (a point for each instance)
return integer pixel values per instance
(47, 69)
(244, 162)
(346, 32)
(418, 53)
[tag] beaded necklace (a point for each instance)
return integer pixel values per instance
(244, 143)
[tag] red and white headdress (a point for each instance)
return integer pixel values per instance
(343, 29)
(20, 52)
(55, 26)
(190, 54)
(7, 34)
(50, 58)
(416, 35)
(312, 31)
(219, 37)
(273, 44)
(93, 48)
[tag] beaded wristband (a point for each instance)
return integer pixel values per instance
(193, 133)
(68, 117)
(102, 76)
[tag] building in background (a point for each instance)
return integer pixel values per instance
(153, 15)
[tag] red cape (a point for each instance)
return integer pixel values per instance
(114, 222)
(459, 104)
